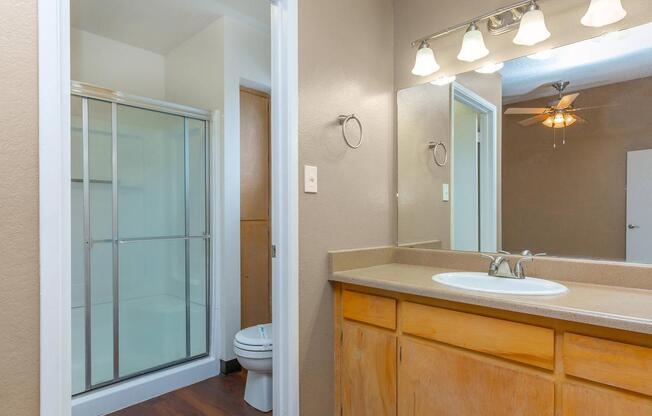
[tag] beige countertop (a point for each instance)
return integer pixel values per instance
(609, 306)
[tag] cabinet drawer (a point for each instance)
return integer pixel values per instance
(608, 362)
(370, 309)
(511, 340)
(587, 400)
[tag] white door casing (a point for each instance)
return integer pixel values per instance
(639, 206)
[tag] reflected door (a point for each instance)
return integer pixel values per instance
(466, 186)
(639, 201)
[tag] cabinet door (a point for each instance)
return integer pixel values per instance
(254, 155)
(584, 400)
(255, 268)
(368, 371)
(437, 380)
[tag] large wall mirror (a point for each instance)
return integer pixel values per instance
(550, 153)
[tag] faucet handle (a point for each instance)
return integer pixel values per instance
(505, 252)
(493, 266)
(529, 253)
(488, 256)
(518, 269)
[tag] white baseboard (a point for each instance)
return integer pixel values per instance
(128, 393)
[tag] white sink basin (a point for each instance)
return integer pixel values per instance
(482, 282)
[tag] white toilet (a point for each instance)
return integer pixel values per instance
(253, 349)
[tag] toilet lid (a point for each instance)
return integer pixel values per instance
(259, 335)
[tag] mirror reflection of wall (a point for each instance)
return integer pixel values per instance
(573, 155)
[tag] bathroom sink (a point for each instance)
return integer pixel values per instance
(482, 282)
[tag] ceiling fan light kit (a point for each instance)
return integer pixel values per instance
(524, 15)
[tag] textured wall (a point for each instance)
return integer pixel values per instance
(572, 201)
(345, 66)
(19, 284)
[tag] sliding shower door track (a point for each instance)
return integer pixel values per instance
(165, 366)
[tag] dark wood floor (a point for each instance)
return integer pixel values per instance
(217, 396)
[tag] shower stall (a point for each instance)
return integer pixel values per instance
(140, 235)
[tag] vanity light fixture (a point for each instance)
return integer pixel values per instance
(473, 47)
(603, 13)
(490, 68)
(541, 56)
(522, 14)
(425, 63)
(532, 29)
(444, 80)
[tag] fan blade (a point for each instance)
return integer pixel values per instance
(567, 100)
(516, 110)
(533, 120)
(592, 107)
(580, 119)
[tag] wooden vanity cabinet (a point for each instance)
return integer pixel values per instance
(437, 380)
(397, 354)
(368, 371)
(368, 355)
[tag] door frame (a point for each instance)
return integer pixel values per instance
(54, 205)
(489, 214)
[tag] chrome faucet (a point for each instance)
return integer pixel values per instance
(500, 267)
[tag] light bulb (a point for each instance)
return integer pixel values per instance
(490, 68)
(559, 120)
(425, 63)
(532, 28)
(603, 13)
(473, 47)
(445, 80)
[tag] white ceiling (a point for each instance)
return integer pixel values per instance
(609, 59)
(160, 25)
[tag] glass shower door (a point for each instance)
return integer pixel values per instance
(140, 240)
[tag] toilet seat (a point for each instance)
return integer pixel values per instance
(247, 353)
(254, 339)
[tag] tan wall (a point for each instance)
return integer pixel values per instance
(345, 66)
(417, 18)
(19, 284)
(572, 201)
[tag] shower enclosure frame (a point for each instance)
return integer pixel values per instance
(85, 92)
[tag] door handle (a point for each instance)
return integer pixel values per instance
(632, 226)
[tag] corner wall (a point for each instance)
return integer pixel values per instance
(111, 64)
(345, 66)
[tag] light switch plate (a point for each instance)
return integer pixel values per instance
(445, 196)
(310, 179)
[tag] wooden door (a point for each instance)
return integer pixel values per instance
(368, 381)
(438, 380)
(255, 243)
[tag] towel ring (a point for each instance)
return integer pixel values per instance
(434, 146)
(344, 119)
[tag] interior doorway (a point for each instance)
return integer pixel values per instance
(474, 172)
(255, 191)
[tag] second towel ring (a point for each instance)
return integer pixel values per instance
(434, 146)
(344, 119)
